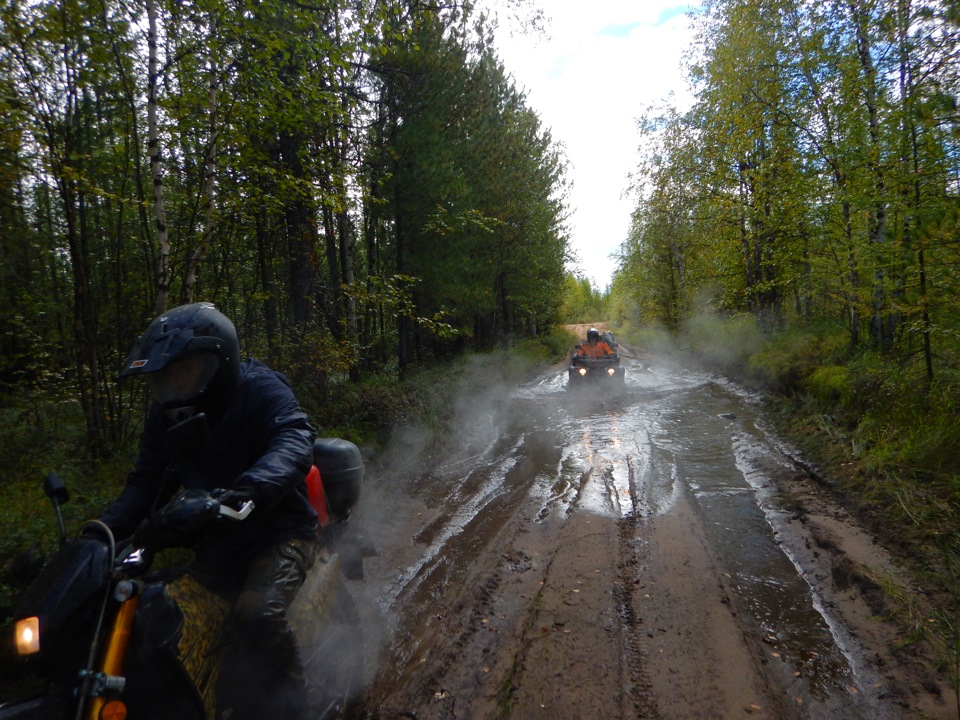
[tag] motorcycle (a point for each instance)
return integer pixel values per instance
(113, 636)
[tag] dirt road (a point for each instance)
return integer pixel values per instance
(651, 552)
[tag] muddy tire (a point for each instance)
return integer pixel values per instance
(333, 661)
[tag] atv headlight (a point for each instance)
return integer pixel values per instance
(582, 371)
(28, 636)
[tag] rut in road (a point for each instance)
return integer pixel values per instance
(630, 558)
(640, 555)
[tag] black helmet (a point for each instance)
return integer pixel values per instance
(189, 355)
(593, 333)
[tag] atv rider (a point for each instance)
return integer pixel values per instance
(242, 436)
(595, 347)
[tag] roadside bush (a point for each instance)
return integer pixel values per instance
(913, 433)
(546, 348)
(789, 359)
(830, 385)
(725, 343)
(361, 412)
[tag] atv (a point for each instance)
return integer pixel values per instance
(585, 370)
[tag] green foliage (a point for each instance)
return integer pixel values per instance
(787, 361)
(811, 180)
(906, 430)
(582, 302)
(471, 185)
(351, 183)
(362, 412)
(547, 347)
(381, 188)
(27, 516)
(830, 385)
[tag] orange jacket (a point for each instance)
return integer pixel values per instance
(595, 351)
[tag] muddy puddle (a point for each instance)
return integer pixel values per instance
(459, 536)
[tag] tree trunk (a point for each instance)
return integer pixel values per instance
(209, 174)
(331, 306)
(878, 216)
(156, 171)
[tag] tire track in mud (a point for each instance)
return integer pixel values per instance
(576, 568)
(629, 560)
(452, 664)
(567, 609)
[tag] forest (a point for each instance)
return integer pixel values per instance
(359, 185)
(810, 197)
(816, 176)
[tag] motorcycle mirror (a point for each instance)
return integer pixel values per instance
(55, 489)
(57, 492)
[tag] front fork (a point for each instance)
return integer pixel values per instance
(108, 680)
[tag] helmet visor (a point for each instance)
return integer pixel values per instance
(182, 381)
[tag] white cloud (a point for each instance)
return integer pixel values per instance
(604, 61)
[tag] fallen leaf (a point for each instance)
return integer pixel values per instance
(775, 654)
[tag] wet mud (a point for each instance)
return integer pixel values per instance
(654, 551)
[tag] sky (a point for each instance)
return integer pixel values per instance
(601, 63)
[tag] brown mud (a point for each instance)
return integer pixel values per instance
(543, 575)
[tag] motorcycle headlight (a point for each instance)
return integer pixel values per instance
(28, 636)
(582, 371)
(611, 371)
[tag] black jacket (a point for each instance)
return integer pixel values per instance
(261, 439)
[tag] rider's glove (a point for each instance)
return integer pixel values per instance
(179, 523)
(235, 497)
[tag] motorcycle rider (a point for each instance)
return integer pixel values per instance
(595, 347)
(236, 430)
